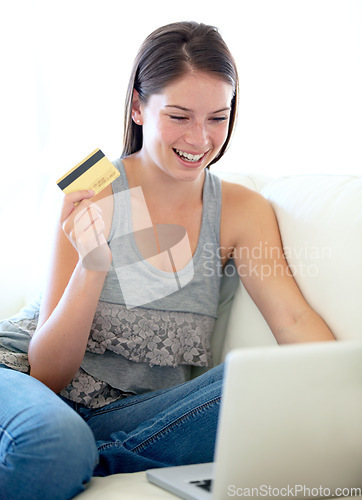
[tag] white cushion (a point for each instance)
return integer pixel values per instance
(320, 220)
(123, 486)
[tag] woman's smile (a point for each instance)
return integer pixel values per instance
(190, 160)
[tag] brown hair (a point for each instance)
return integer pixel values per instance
(166, 55)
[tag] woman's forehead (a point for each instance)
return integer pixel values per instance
(195, 90)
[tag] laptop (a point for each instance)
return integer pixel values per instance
(290, 426)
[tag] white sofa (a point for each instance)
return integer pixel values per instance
(320, 219)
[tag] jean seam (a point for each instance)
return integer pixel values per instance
(11, 443)
(162, 431)
(173, 424)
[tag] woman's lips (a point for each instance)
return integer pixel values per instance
(189, 157)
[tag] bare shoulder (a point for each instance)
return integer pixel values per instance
(243, 209)
(233, 193)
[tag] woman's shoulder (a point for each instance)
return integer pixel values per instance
(241, 210)
(236, 196)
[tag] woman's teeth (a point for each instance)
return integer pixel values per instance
(189, 156)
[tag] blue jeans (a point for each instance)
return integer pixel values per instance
(50, 447)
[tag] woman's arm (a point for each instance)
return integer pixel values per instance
(251, 223)
(72, 292)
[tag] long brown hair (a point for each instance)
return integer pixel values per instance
(166, 55)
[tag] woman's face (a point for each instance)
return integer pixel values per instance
(185, 126)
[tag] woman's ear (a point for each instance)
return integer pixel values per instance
(137, 108)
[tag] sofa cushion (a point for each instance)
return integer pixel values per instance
(320, 220)
(133, 486)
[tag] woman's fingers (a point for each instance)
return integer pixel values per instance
(83, 223)
(74, 205)
(71, 200)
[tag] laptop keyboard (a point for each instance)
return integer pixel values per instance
(205, 484)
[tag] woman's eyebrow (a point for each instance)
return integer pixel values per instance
(190, 110)
(178, 107)
(228, 108)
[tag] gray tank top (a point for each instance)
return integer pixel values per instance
(195, 289)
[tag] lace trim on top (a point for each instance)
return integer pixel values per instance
(161, 338)
(91, 392)
(16, 360)
(83, 388)
(154, 337)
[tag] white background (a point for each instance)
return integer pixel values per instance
(66, 65)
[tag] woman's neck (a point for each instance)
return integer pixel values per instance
(159, 185)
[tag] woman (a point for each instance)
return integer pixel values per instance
(132, 294)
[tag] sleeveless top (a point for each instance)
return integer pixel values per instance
(150, 325)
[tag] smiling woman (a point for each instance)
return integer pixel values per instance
(155, 67)
(89, 346)
(117, 334)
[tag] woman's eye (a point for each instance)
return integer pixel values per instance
(219, 119)
(178, 118)
(215, 119)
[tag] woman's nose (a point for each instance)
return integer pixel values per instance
(197, 135)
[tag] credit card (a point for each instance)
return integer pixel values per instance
(94, 172)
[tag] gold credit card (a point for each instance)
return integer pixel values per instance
(94, 172)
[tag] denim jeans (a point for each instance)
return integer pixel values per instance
(50, 447)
